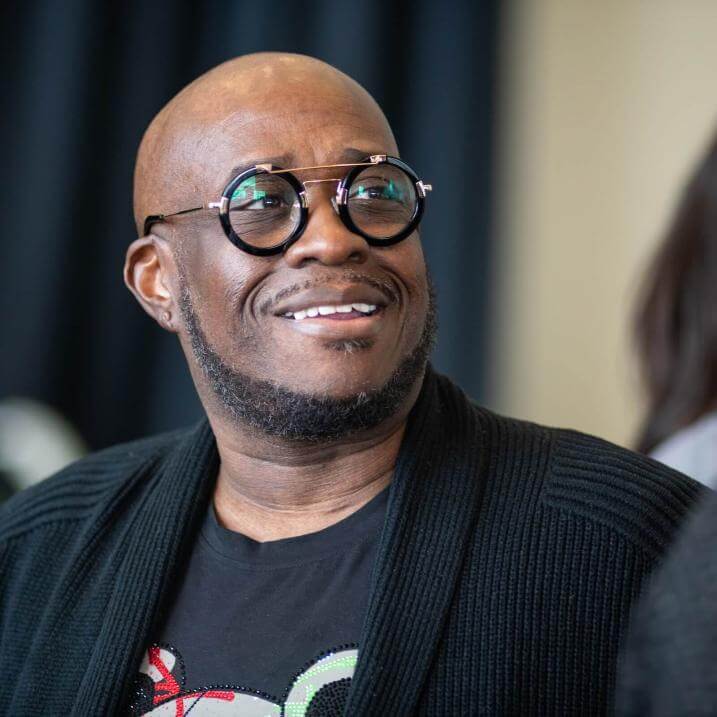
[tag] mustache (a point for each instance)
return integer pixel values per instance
(386, 287)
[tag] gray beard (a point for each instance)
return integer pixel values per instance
(280, 412)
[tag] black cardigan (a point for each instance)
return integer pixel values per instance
(508, 562)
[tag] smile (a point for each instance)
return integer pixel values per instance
(337, 308)
(341, 312)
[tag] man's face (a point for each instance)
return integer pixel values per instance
(240, 300)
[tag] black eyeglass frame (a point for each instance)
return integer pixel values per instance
(339, 201)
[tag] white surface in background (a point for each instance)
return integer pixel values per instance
(35, 441)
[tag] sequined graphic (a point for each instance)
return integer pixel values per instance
(319, 690)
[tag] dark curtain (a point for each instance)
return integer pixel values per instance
(82, 79)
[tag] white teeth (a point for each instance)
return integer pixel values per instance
(315, 311)
(364, 308)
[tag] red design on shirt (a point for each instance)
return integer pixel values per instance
(167, 689)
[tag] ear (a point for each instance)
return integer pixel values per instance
(150, 273)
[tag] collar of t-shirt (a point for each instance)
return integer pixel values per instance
(364, 523)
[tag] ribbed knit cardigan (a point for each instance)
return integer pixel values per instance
(508, 562)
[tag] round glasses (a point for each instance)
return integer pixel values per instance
(265, 209)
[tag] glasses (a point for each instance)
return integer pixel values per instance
(265, 209)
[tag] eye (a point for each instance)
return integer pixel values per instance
(265, 201)
(272, 201)
(376, 189)
(375, 192)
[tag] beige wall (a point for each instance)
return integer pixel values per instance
(605, 106)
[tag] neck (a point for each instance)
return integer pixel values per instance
(268, 489)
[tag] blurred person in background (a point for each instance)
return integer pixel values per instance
(345, 531)
(670, 664)
(676, 334)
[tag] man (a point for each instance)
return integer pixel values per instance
(345, 531)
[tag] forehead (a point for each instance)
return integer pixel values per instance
(289, 126)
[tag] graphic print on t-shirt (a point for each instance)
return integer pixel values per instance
(319, 690)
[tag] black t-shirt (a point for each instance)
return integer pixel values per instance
(254, 626)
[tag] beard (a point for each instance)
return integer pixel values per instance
(283, 413)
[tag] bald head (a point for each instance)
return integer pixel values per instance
(224, 301)
(236, 113)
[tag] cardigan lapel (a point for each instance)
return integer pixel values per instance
(433, 502)
(171, 509)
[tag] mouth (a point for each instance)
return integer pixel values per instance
(334, 302)
(342, 312)
(338, 312)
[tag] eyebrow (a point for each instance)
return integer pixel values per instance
(287, 161)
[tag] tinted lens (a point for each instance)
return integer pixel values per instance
(264, 210)
(382, 201)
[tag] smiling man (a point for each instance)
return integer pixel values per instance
(345, 532)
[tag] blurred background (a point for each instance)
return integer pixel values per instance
(557, 134)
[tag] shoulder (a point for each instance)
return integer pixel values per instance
(640, 498)
(583, 476)
(579, 475)
(77, 490)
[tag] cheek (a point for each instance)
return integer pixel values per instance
(222, 280)
(406, 262)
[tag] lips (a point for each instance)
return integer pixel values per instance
(337, 311)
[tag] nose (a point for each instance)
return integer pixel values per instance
(326, 240)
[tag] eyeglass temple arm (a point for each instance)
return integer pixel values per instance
(154, 218)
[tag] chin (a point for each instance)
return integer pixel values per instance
(350, 346)
(344, 378)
